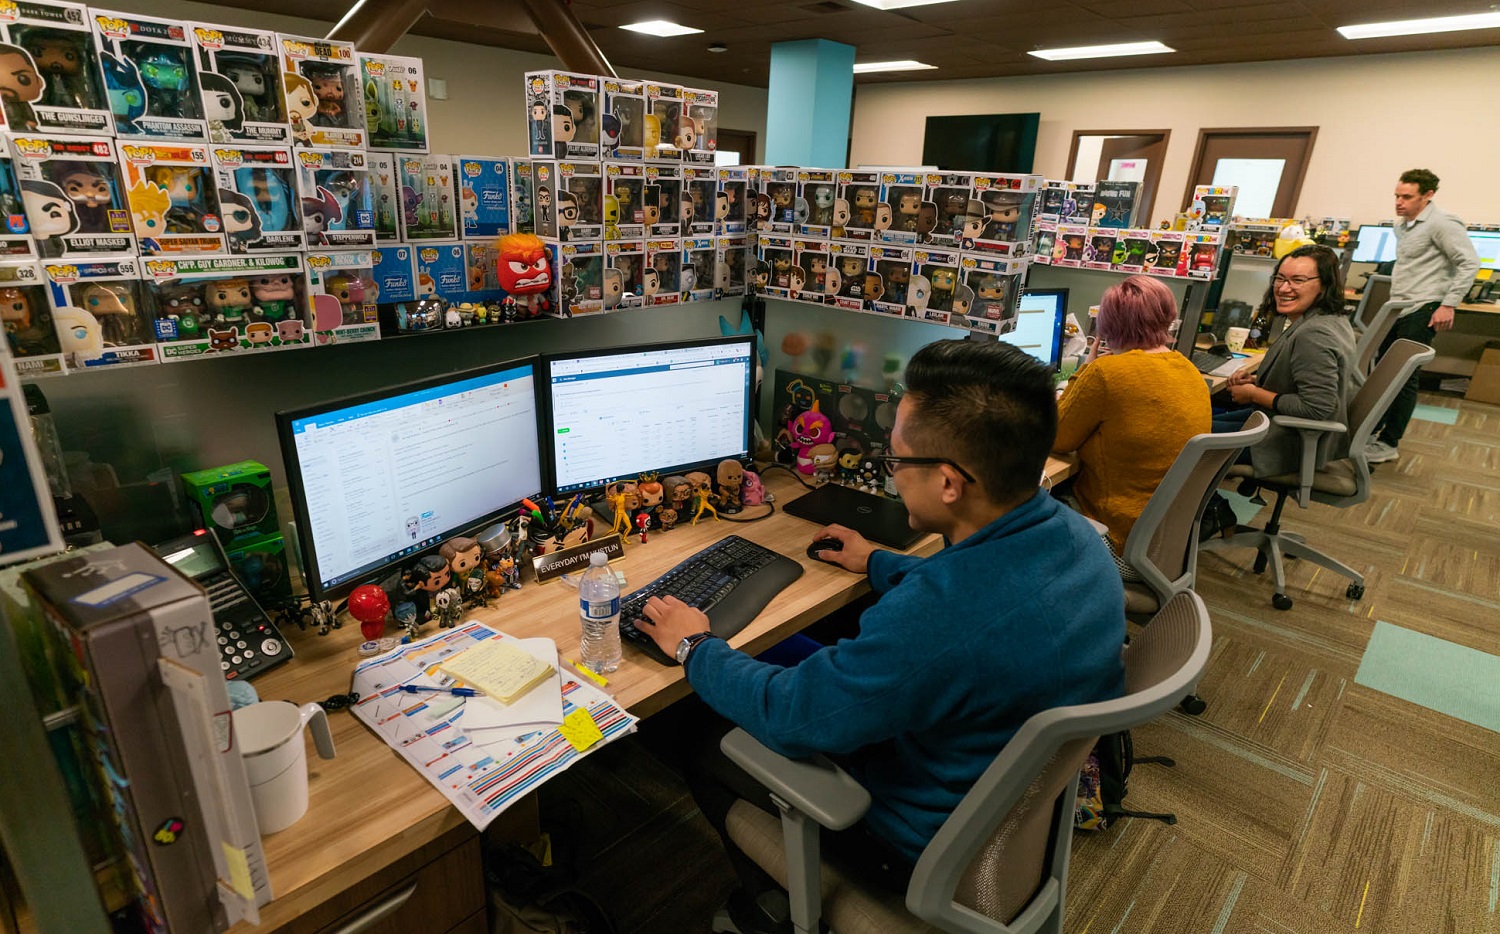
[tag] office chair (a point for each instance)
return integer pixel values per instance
(1342, 483)
(1163, 544)
(1373, 320)
(999, 864)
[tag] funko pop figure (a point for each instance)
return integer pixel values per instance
(49, 210)
(21, 85)
(301, 107)
(275, 297)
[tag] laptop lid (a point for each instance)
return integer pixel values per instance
(878, 518)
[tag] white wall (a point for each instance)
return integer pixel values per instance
(483, 114)
(1376, 116)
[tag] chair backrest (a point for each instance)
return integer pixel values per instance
(1368, 407)
(999, 862)
(1163, 544)
(1376, 293)
(1373, 320)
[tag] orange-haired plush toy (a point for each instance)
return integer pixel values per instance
(526, 275)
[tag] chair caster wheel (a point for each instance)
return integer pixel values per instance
(1355, 592)
(1193, 705)
(1260, 562)
(1281, 601)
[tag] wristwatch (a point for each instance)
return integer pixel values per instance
(688, 643)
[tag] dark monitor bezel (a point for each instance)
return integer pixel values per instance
(1062, 311)
(549, 446)
(308, 547)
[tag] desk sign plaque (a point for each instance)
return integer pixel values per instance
(555, 564)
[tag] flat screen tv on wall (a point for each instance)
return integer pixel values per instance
(981, 142)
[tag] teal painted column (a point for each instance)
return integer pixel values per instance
(807, 107)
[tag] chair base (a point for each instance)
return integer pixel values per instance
(1274, 547)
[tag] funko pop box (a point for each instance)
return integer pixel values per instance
(101, 313)
(562, 115)
(228, 304)
(324, 97)
(150, 62)
(622, 121)
(26, 315)
(239, 71)
(662, 277)
(338, 206)
(395, 97)
(427, 209)
(385, 195)
(74, 196)
(174, 201)
(343, 294)
(258, 199)
(54, 44)
(483, 196)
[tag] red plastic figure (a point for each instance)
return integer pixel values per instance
(526, 275)
(643, 522)
(369, 604)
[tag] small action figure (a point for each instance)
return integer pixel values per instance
(228, 300)
(328, 88)
(114, 306)
(447, 605)
(90, 193)
(731, 479)
(463, 555)
(20, 86)
(301, 107)
(424, 579)
(275, 296)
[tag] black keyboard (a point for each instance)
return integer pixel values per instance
(731, 580)
(1208, 362)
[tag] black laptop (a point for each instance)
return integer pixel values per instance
(877, 518)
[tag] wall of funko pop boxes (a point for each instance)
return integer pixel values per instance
(179, 264)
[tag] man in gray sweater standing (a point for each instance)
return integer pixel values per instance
(1435, 266)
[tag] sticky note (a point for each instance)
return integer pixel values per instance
(239, 869)
(579, 729)
(499, 669)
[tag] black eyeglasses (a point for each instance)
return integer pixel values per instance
(890, 462)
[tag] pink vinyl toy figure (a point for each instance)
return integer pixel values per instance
(807, 430)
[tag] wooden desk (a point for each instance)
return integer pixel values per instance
(373, 824)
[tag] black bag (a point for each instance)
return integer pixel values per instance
(537, 898)
(1104, 780)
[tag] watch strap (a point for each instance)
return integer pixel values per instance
(691, 642)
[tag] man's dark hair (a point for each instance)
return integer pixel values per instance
(1425, 181)
(1330, 299)
(990, 407)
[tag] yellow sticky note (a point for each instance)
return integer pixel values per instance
(499, 669)
(239, 870)
(579, 729)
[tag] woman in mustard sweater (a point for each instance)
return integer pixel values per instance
(1132, 408)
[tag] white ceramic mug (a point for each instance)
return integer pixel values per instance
(270, 740)
(1236, 337)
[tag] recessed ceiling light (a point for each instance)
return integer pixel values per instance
(1412, 27)
(899, 4)
(865, 68)
(718, 47)
(661, 27)
(1101, 51)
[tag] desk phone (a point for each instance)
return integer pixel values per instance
(249, 643)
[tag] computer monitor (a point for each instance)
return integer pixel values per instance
(613, 414)
(380, 477)
(1377, 244)
(1039, 324)
(1487, 245)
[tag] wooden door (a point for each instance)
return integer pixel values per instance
(740, 141)
(1260, 148)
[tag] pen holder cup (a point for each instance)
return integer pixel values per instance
(270, 740)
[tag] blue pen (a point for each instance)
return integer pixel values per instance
(456, 692)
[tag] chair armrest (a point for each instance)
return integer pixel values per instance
(1310, 431)
(815, 786)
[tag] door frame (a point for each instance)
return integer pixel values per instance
(1153, 168)
(1311, 132)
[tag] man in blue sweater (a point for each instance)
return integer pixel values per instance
(1022, 611)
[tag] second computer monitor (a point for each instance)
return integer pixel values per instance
(1039, 324)
(615, 414)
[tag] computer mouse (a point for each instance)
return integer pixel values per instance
(816, 549)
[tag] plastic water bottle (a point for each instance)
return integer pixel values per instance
(599, 609)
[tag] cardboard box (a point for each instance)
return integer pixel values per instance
(152, 62)
(1484, 384)
(562, 115)
(338, 207)
(235, 501)
(26, 315)
(343, 294)
(483, 196)
(142, 630)
(101, 313)
(325, 99)
(66, 103)
(229, 304)
(395, 102)
(98, 221)
(174, 201)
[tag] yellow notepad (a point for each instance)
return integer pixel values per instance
(499, 669)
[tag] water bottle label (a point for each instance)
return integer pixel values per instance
(601, 609)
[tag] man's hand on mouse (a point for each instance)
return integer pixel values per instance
(670, 621)
(854, 556)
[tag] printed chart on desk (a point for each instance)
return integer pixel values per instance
(480, 778)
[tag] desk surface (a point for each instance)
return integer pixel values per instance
(367, 809)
